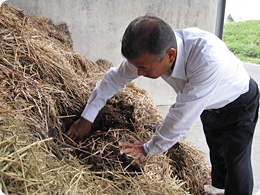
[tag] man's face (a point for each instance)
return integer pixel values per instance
(148, 66)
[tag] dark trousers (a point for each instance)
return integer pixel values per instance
(229, 133)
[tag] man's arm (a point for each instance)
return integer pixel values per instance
(113, 81)
(190, 103)
(201, 84)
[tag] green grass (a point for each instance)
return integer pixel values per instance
(243, 39)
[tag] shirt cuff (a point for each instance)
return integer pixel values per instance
(152, 149)
(159, 144)
(90, 113)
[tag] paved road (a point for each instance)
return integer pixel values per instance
(196, 136)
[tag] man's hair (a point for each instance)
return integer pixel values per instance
(147, 34)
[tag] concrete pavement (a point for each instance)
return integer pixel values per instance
(196, 136)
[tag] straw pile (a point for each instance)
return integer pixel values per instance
(44, 88)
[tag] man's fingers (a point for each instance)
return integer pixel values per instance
(131, 137)
(138, 155)
(130, 147)
(134, 149)
(68, 134)
(126, 144)
(132, 152)
(127, 151)
(70, 137)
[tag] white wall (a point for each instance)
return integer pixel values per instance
(98, 25)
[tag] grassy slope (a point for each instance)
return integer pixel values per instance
(243, 39)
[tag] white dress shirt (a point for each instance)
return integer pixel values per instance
(206, 75)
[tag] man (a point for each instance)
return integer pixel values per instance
(210, 82)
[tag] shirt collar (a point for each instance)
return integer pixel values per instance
(179, 68)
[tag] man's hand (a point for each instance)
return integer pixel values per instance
(136, 149)
(79, 130)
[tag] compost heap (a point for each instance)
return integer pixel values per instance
(44, 88)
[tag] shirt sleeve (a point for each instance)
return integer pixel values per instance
(190, 103)
(113, 81)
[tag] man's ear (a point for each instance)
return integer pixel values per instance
(171, 52)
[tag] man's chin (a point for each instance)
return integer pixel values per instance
(152, 77)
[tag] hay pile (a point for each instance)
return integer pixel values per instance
(44, 88)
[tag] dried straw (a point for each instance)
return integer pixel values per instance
(44, 88)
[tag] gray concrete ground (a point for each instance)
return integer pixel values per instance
(196, 136)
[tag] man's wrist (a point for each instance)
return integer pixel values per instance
(85, 121)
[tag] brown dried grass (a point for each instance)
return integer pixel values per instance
(44, 87)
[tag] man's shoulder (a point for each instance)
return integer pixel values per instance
(194, 36)
(193, 32)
